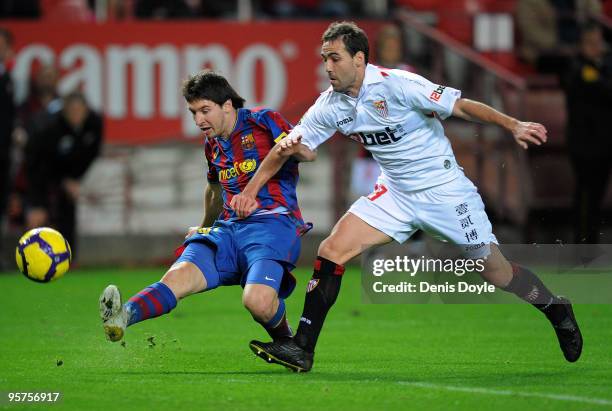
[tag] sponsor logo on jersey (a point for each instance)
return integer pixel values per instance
(381, 108)
(344, 121)
(376, 138)
(437, 93)
(312, 284)
(248, 141)
(474, 246)
(239, 168)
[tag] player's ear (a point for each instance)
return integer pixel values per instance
(227, 106)
(359, 59)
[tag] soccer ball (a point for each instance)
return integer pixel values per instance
(43, 254)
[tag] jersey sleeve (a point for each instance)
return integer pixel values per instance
(211, 174)
(421, 94)
(314, 127)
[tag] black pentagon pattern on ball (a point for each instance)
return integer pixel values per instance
(46, 247)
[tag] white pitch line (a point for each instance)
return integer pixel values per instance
(488, 391)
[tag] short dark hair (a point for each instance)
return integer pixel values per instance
(352, 36)
(8, 36)
(208, 85)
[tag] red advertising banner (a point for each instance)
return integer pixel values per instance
(132, 72)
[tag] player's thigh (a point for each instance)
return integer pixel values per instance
(454, 212)
(350, 237)
(184, 278)
(195, 270)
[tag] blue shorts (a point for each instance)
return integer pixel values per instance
(228, 253)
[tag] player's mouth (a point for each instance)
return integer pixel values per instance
(334, 81)
(207, 131)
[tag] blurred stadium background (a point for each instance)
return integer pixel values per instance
(128, 58)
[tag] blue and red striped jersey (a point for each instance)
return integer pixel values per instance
(233, 161)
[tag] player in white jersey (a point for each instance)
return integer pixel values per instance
(396, 116)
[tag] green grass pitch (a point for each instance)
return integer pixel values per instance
(421, 357)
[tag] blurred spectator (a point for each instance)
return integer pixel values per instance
(309, 8)
(118, 10)
(548, 30)
(390, 50)
(19, 9)
(7, 115)
(67, 11)
(57, 157)
(589, 104)
(42, 101)
(182, 9)
(34, 114)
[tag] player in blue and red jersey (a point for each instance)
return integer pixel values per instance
(257, 252)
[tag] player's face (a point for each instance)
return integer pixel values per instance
(341, 68)
(76, 113)
(593, 45)
(208, 116)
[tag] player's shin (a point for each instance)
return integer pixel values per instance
(321, 294)
(527, 286)
(155, 300)
(278, 327)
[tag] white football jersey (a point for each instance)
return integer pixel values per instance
(396, 116)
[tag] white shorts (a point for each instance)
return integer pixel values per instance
(451, 212)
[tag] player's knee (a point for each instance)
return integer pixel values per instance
(260, 305)
(332, 251)
(184, 279)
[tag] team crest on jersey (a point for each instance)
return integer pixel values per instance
(381, 108)
(312, 284)
(248, 141)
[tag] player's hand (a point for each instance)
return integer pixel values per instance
(289, 146)
(525, 132)
(192, 231)
(244, 205)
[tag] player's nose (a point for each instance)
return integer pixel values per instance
(199, 119)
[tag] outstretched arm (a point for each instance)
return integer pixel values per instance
(523, 132)
(245, 203)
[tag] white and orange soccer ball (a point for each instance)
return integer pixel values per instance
(43, 254)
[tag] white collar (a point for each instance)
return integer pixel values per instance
(372, 74)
